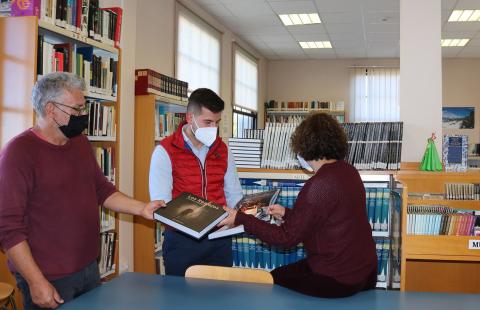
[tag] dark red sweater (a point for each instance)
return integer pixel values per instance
(330, 218)
(49, 196)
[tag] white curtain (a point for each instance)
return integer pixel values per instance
(198, 53)
(374, 95)
(246, 81)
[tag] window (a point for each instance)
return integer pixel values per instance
(374, 95)
(198, 52)
(245, 93)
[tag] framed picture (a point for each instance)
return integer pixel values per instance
(455, 153)
(458, 117)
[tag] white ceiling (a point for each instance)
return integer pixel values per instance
(356, 28)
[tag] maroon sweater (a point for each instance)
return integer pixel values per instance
(49, 196)
(330, 218)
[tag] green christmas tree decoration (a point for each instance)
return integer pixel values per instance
(431, 161)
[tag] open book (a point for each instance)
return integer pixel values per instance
(191, 214)
(254, 204)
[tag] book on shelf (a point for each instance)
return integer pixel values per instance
(254, 204)
(149, 81)
(455, 153)
(246, 151)
(191, 214)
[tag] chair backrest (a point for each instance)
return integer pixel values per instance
(229, 274)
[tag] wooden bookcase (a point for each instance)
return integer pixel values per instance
(145, 142)
(438, 263)
(19, 48)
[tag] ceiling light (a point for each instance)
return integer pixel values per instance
(300, 19)
(454, 42)
(464, 16)
(315, 44)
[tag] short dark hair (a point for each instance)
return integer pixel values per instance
(319, 136)
(204, 98)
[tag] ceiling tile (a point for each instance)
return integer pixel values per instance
(383, 27)
(474, 42)
(341, 17)
(448, 4)
(245, 9)
(308, 29)
(383, 5)
(458, 35)
(467, 5)
(383, 37)
(337, 5)
(388, 17)
(276, 38)
(348, 44)
(311, 37)
(470, 52)
(292, 7)
(450, 51)
(457, 27)
(344, 28)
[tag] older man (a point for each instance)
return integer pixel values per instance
(50, 190)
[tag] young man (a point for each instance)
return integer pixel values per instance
(50, 189)
(194, 159)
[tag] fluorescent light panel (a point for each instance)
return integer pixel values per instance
(464, 16)
(454, 42)
(315, 44)
(300, 19)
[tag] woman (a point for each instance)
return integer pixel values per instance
(329, 218)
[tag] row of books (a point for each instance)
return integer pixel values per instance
(147, 80)
(374, 146)
(441, 220)
(99, 72)
(276, 153)
(313, 105)
(82, 17)
(101, 119)
(250, 252)
(274, 118)
(107, 220)
(106, 160)
(247, 152)
(106, 262)
(383, 256)
(167, 122)
(462, 191)
(378, 204)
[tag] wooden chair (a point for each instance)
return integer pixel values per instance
(229, 274)
(7, 299)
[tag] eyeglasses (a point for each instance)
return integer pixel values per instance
(80, 111)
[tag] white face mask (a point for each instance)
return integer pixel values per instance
(206, 135)
(304, 164)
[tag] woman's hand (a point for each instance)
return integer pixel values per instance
(229, 221)
(277, 211)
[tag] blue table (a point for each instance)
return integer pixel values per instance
(140, 291)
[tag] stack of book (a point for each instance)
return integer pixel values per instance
(247, 152)
(277, 153)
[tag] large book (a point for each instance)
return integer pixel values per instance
(255, 204)
(455, 153)
(191, 214)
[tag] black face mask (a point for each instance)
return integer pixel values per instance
(76, 125)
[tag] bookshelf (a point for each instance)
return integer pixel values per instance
(147, 135)
(376, 181)
(20, 55)
(438, 263)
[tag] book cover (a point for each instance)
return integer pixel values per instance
(255, 204)
(191, 214)
(455, 153)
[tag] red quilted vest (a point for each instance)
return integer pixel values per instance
(188, 173)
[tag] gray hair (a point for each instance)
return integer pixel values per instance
(52, 86)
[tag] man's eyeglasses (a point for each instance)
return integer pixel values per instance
(80, 111)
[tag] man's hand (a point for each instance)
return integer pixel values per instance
(150, 207)
(229, 221)
(45, 295)
(277, 211)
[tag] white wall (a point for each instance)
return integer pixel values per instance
(156, 48)
(461, 89)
